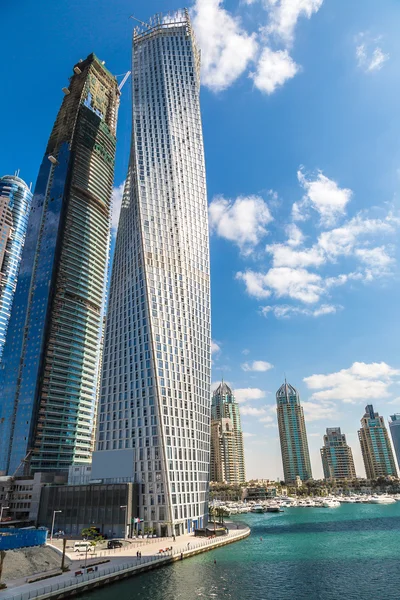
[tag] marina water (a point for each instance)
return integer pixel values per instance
(351, 552)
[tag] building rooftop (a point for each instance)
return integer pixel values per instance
(286, 390)
(223, 390)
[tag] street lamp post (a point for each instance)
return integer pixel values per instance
(52, 525)
(125, 520)
(1, 512)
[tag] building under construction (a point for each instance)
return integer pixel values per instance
(49, 372)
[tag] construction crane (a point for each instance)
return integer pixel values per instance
(121, 85)
(23, 462)
(138, 20)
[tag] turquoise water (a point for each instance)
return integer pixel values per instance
(351, 552)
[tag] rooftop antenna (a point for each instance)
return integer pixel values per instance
(17, 173)
(138, 20)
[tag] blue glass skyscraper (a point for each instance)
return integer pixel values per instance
(375, 446)
(49, 371)
(394, 425)
(15, 204)
(292, 435)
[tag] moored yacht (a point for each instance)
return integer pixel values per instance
(330, 503)
(381, 500)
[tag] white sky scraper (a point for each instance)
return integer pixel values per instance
(154, 413)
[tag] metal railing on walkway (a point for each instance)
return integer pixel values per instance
(137, 564)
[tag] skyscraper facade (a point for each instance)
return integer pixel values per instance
(375, 445)
(15, 205)
(49, 372)
(292, 435)
(154, 413)
(394, 425)
(227, 452)
(337, 457)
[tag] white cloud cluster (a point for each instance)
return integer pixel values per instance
(257, 365)
(215, 347)
(285, 311)
(273, 70)
(228, 49)
(284, 15)
(296, 270)
(314, 411)
(369, 54)
(116, 201)
(252, 411)
(243, 395)
(362, 381)
(325, 196)
(242, 221)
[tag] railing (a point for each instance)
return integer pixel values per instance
(75, 582)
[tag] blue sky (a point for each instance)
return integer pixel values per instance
(301, 129)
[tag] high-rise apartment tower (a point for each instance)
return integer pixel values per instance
(337, 457)
(15, 205)
(49, 372)
(375, 445)
(154, 413)
(227, 453)
(292, 435)
(394, 425)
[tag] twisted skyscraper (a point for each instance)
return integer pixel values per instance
(154, 413)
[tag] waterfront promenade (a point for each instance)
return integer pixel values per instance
(121, 563)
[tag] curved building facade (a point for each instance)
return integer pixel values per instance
(49, 372)
(15, 205)
(154, 413)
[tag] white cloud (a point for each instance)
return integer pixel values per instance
(226, 48)
(395, 401)
(247, 434)
(284, 311)
(285, 256)
(215, 347)
(361, 381)
(298, 284)
(325, 196)
(284, 15)
(247, 394)
(314, 411)
(116, 201)
(343, 240)
(370, 56)
(242, 221)
(257, 365)
(246, 351)
(252, 411)
(295, 235)
(267, 419)
(273, 70)
(375, 258)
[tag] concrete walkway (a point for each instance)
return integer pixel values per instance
(121, 562)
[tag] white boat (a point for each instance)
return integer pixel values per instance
(382, 500)
(257, 508)
(330, 503)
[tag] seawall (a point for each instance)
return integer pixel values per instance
(68, 585)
